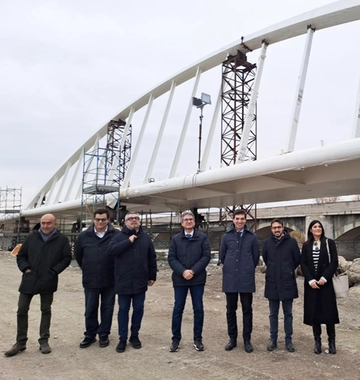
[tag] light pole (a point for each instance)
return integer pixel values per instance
(201, 103)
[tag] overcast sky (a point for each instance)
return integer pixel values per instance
(67, 67)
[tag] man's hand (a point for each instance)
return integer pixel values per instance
(151, 282)
(132, 238)
(188, 274)
(27, 270)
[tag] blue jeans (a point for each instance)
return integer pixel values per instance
(92, 297)
(123, 314)
(274, 318)
(46, 301)
(180, 294)
(247, 314)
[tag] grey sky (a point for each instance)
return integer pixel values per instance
(67, 67)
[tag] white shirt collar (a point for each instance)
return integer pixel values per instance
(100, 234)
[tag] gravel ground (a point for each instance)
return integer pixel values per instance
(154, 361)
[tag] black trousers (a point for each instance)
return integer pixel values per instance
(247, 314)
(23, 318)
(330, 329)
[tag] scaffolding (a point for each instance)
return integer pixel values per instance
(238, 76)
(12, 224)
(104, 171)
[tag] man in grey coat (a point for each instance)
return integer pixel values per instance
(239, 254)
(281, 255)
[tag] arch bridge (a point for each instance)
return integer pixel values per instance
(172, 167)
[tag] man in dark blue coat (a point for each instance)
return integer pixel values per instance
(43, 256)
(281, 255)
(239, 254)
(97, 277)
(135, 269)
(189, 255)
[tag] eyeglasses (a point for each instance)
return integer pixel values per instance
(133, 218)
(277, 228)
(188, 219)
(98, 220)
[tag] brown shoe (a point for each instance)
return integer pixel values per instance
(17, 347)
(45, 348)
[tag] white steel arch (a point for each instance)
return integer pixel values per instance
(182, 190)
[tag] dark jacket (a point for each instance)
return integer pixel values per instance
(319, 304)
(135, 263)
(90, 253)
(189, 253)
(45, 259)
(239, 257)
(281, 257)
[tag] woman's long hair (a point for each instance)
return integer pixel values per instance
(309, 233)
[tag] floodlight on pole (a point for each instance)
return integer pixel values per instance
(201, 103)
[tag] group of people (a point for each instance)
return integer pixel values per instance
(123, 263)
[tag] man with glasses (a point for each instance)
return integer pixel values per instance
(281, 255)
(43, 256)
(239, 254)
(97, 278)
(189, 255)
(135, 269)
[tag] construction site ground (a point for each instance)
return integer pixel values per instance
(154, 361)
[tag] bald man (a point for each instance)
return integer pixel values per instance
(43, 256)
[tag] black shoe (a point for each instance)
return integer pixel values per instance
(87, 342)
(16, 348)
(332, 347)
(104, 341)
(317, 347)
(174, 346)
(248, 346)
(289, 347)
(232, 344)
(45, 348)
(135, 341)
(198, 345)
(272, 345)
(121, 347)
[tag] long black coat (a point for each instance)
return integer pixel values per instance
(281, 257)
(239, 258)
(46, 259)
(135, 263)
(319, 304)
(185, 253)
(90, 253)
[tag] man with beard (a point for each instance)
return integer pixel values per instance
(281, 255)
(135, 270)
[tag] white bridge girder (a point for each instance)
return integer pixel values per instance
(329, 170)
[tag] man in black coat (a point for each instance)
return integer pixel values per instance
(189, 255)
(281, 255)
(135, 269)
(98, 277)
(43, 256)
(239, 254)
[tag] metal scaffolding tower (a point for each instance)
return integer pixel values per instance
(238, 77)
(104, 170)
(11, 222)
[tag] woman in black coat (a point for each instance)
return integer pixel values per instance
(319, 295)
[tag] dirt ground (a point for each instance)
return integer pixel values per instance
(154, 361)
